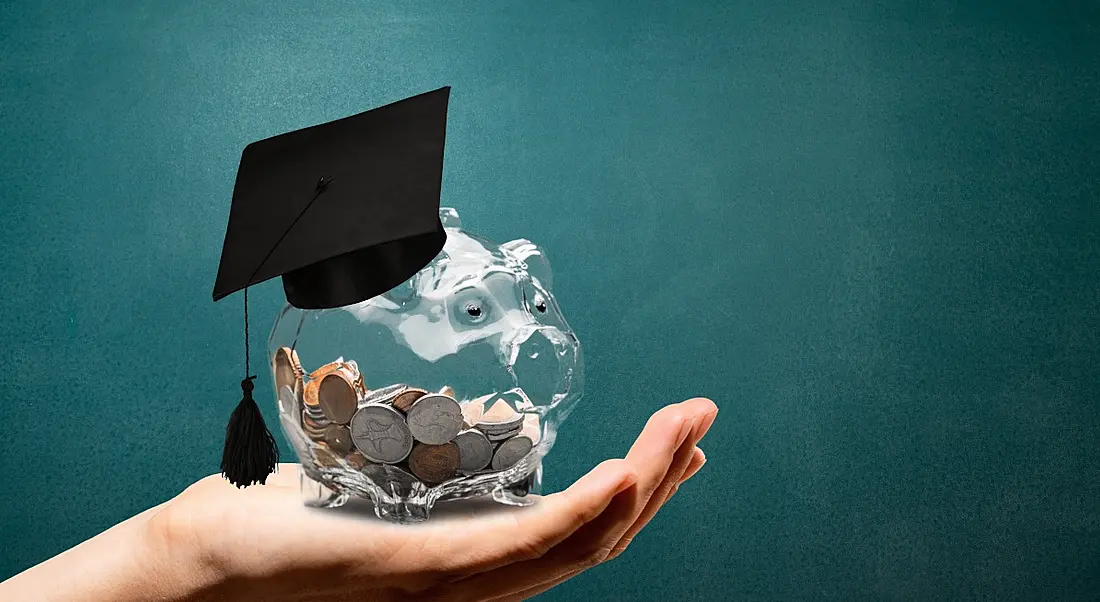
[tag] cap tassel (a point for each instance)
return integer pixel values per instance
(251, 452)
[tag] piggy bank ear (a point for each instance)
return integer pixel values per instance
(449, 217)
(538, 266)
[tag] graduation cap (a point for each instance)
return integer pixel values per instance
(342, 211)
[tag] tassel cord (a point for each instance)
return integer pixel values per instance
(251, 452)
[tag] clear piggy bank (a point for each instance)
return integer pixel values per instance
(452, 385)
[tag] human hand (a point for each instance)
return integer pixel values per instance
(217, 542)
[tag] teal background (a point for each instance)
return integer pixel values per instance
(870, 231)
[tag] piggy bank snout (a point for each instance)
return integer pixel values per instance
(542, 358)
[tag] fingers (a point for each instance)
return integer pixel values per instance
(698, 459)
(643, 509)
(655, 451)
(468, 547)
(706, 412)
(697, 462)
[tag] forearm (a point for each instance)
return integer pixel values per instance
(121, 564)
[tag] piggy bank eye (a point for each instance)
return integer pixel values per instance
(540, 304)
(474, 311)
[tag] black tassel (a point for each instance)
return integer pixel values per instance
(251, 452)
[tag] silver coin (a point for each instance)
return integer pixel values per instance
(315, 413)
(381, 434)
(511, 451)
(501, 418)
(502, 436)
(496, 429)
(383, 395)
(474, 450)
(287, 401)
(435, 419)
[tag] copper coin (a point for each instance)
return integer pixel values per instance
(337, 397)
(357, 460)
(338, 438)
(288, 371)
(501, 415)
(434, 464)
(300, 393)
(532, 428)
(328, 368)
(324, 456)
(313, 429)
(309, 393)
(356, 377)
(406, 400)
(447, 390)
(473, 410)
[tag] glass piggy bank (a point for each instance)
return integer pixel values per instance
(452, 385)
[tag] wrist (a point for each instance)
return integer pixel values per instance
(177, 564)
(131, 561)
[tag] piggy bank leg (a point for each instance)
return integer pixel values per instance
(316, 495)
(412, 504)
(522, 493)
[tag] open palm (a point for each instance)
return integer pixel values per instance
(262, 543)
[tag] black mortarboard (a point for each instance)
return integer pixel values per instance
(343, 211)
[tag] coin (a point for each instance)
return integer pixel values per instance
(319, 373)
(338, 438)
(447, 390)
(315, 413)
(531, 429)
(500, 418)
(435, 419)
(511, 451)
(499, 428)
(309, 393)
(288, 370)
(293, 431)
(287, 402)
(473, 410)
(518, 400)
(496, 437)
(380, 432)
(434, 464)
(313, 429)
(356, 460)
(474, 450)
(405, 400)
(324, 456)
(357, 377)
(383, 395)
(337, 397)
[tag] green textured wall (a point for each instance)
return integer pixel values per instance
(871, 234)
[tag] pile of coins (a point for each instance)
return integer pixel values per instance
(431, 435)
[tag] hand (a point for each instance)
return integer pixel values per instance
(217, 542)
